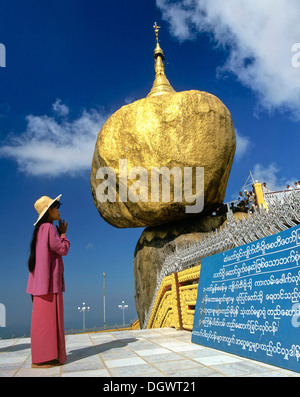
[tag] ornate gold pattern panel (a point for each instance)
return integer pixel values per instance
(188, 297)
(175, 301)
(164, 315)
(188, 286)
(164, 312)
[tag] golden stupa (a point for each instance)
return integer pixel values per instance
(166, 130)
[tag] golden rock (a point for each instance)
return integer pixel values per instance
(177, 130)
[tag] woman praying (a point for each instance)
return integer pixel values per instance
(46, 285)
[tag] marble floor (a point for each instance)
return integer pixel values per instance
(163, 352)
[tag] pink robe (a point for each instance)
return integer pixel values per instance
(47, 329)
(46, 284)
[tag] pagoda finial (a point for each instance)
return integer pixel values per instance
(161, 84)
(158, 50)
(156, 29)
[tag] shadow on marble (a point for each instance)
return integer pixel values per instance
(15, 347)
(79, 354)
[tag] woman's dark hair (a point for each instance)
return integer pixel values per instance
(44, 219)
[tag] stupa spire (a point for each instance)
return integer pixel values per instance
(161, 84)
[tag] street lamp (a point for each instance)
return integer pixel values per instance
(83, 309)
(123, 307)
(104, 299)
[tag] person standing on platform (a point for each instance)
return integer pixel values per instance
(46, 285)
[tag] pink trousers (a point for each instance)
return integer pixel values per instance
(47, 329)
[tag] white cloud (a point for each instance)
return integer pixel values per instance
(243, 145)
(270, 175)
(60, 108)
(259, 36)
(54, 147)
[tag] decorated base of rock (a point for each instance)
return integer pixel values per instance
(155, 244)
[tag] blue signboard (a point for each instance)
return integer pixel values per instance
(248, 301)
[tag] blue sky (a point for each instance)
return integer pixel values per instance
(71, 63)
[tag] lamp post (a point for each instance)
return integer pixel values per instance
(83, 309)
(123, 307)
(104, 299)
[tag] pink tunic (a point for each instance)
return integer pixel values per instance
(48, 275)
(46, 284)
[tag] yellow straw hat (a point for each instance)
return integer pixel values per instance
(43, 204)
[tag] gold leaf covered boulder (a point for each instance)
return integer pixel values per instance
(163, 157)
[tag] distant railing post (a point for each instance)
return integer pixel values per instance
(260, 196)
